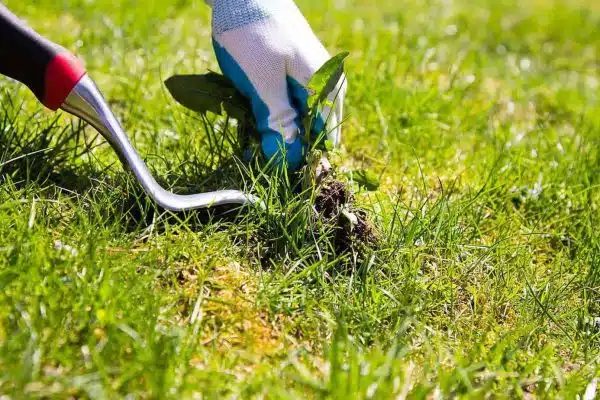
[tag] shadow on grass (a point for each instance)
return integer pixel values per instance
(43, 152)
(61, 156)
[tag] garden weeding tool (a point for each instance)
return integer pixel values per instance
(59, 81)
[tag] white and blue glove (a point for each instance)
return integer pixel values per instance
(269, 52)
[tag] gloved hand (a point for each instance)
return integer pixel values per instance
(268, 50)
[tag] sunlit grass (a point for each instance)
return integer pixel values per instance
(481, 118)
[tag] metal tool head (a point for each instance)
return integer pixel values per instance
(86, 101)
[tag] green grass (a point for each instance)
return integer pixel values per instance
(482, 119)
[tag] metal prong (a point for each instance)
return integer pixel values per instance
(86, 102)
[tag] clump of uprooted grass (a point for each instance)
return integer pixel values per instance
(305, 213)
(354, 232)
(319, 223)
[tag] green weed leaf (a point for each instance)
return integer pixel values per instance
(209, 92)
(366, 179)
(325, 79)
(329, 145)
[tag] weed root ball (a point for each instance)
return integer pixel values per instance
(353, 230)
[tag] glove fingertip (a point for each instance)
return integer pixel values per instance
(276, 150)
(295, 154)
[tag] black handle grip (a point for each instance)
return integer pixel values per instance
(45, 67)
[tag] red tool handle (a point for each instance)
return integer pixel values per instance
(49, 70)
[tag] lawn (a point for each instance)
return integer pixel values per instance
(481, 118)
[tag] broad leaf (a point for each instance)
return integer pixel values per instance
(329, 146)
(325, 79)
(209, 92)
(366, 179)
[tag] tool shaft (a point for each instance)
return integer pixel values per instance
(86, 102)
(60, 82)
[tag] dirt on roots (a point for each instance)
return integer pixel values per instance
(354, 232)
